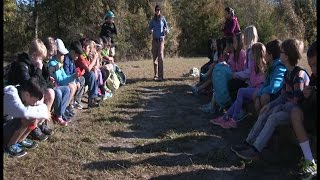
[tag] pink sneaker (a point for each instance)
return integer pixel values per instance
(218, 121)
(230, 123)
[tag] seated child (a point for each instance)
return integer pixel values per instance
(22, 114)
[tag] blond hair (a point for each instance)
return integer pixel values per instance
(37, 47)
(250, 36)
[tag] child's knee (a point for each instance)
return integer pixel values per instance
(49, 94)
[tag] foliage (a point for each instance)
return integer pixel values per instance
(191, 22)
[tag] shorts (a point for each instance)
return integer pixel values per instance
(9, 128)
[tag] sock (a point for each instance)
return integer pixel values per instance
(305, 147)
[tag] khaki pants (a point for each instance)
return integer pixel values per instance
(157, 53)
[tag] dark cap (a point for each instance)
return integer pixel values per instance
(157, 7)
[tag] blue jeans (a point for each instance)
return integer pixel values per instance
(267, 122)
(61, 99)
(92, 83)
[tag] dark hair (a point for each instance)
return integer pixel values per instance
(157, 7)
(33, 87)
(76, 46)
(157, 17)
(312, 51)
(85, 42)
(229, 10)
(273, 48)
(292, 50)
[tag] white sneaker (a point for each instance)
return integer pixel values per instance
(78, 105)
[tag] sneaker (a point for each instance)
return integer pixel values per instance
(230, 123)
(309, 169)
(28, 143)
(59, 120)
(78, 106)
(155, 78)
(15, 150)
(218, 121)
(242, 115)
(45, 129)
(66, 117)
(71, 106)
(70, 111)
(107, 95)
(93, 103)
(248, 154)
(38, 135)
(195, 90)
(239, 147)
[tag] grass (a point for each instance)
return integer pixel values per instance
(148, 130)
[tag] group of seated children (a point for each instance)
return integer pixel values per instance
(48, 83)
(268, 77)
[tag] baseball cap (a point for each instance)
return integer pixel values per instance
(61, 48)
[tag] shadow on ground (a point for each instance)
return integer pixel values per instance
(175, 132)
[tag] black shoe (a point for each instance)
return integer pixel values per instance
(93, 103)
(66, 117)
(38, 135)
(70, 111)
(45, 129)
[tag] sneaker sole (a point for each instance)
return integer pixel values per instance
(246, 158)
(215, 123)
(234, 150)
(18, 156)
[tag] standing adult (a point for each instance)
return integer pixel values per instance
(158, 27)
(231, 25)
(109, 29)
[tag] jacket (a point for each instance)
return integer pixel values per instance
(60, 75)
(273, 79)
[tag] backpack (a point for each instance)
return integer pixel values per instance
(112, 81)
(121, 76)
(11, 73)
(293, 75)
(221, 74)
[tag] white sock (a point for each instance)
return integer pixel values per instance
(305, 147)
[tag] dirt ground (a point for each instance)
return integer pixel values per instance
(152, 130)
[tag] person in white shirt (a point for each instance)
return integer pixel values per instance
(22, 111)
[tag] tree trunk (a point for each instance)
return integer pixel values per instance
(36, 18)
